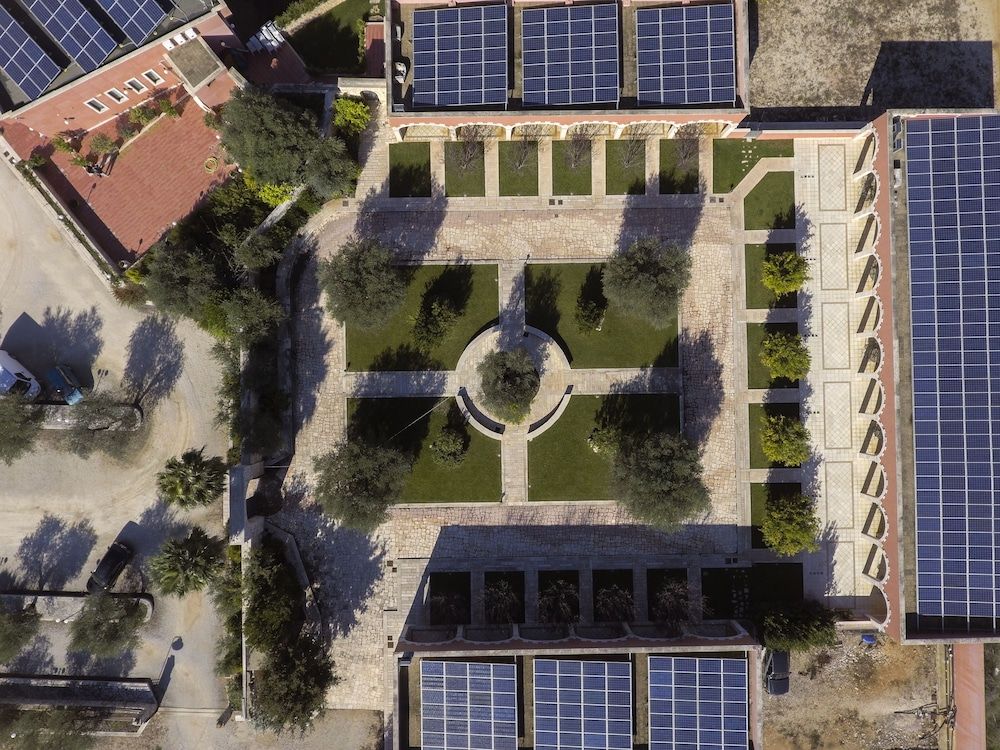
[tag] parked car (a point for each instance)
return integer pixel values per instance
(15, 378)
(109, 568)
(777, 676)
(63, 385)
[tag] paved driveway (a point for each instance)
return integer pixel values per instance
(59, 512)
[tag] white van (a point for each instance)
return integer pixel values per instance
(15, 378)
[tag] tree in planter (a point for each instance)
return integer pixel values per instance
(188, 564)
(448, 608)
(671, 605)
(501, 602)
(577, 152)
(790, 525)
(103, 144)
(471, 138)
(17, 629)
(784, 273)
(351, 116)
(614, 604)
(363, 287)
(20, 423)
(799, 627)
(290, 690)
(784, 440)
(785, 355)
(106, 626)
(358, 482)
(509, 383)
(191, 479)
(450, 446)
(64, 143)
(559, 603)
(658, 478)
(141, 116)
(251, 316)
(646, 280)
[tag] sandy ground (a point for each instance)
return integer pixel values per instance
(848, 696)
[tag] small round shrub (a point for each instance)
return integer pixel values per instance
(449, 447)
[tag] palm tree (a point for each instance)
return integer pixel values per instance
(559, 603)
(184, 565)
(192, 479)
(501, 602)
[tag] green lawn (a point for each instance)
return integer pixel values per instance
(330, 43)
(622, 178)
(523, 181)
(551, 293)
(757, 411)
(473, 288)
(759, 297)
(733, 158)
(468, 181)
(771, 204)
(562, 465)
(566, 180)
(759, 376)
(759, 493)
(410, 170)
(675, 177)
(406, 424)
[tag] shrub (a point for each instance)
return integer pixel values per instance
(37, 160)
(331, 171)
(501, 602)
(102, 143)
(790, 525)
(274, 600)
(614, 604)
(559, 603)
(129, 294)
(188, 564)
(64, 143)
(433, 322)
(212, 120)
(785, 272)
(785, 355)
(351, 116)
(107, 626)
(509, 382)
(167, 108)
(671, 605)
(449, 447)
(141, 116)
(358, 482)
(291, 688)
(605, 439)
(646, 280)
(17, 629)
(799, 627)
(362, 285)
(784, 440)
(20, 423)
(251, 316)
(259, 250)
(79, 160)
(271, 194)
(192, 480)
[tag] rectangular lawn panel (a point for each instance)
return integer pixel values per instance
(473, 287)
(514, 181)
(771, 204)
(759, 297)
(410, 170)
(758, 376)
(464, 171)
(733, 158)
(623, 178)
(756, 412)
(411, 425)
(678, 166)
(561, 463)
(567, 180)
(759, 493)
(330, 42)
(551, 293)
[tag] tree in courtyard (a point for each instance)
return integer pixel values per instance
(471, 139)
(274, 599)
(351, 116)
(251, 316)
(614, 604)
(434, 321)
(64, 143)
(449, 608)
(191, 479)
(501, 602)
(187, 564)
(577, 153)
(646, 280)
(687, 138)
(525, 146)
(784, 272)
(179, 281)
(799, 627)
(790, 524)
(363, 287)
(49, 729)
(633, 149)
(330, 171)
(20, 423)
(784, 439)
(591, 304)
(785, 355)
(658, 478)
(290, 690)
(17, 629)
(257, 251)
(509, 382)
(102, 143)
(448, 449)
(358, 482)
(106, 626)
(559, 603)
(671, 604)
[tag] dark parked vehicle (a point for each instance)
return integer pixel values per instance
(63, 385)
(776, 672)
(109, 568)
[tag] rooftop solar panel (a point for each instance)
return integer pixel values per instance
(570, 55)
(22, 60)
(953, 207)
(686, 55)
(460, 56)
(137, 18)
(698, 703)
(468, 706)
(583, 704)
(75, 29)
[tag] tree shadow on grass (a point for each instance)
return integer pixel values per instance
(55, 552)
(403, 423)
(453, 287)
(405, 357)
(155, 361)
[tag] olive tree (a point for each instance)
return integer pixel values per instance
(790, 524)
(785, 355)
(509, 384)
(363, 287)
(358, 482)
(784, 272)
(646, 280)
(784, 440)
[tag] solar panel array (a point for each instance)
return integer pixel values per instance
(686, 54)
(75, 29)
(468, 705)
(460, 56)
(569, 54)
(698, 703)
(137, 18)
(580, 705)
(953, 206)
(22, 60)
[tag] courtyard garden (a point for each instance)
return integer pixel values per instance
(733, 158)
(518, 167)
(571, 167)
(679, 166)
(759, 375)
(760, 495)
(333, 42)
(464, 169)
(557, 295)
(410, 170)
(625, 167)
(771, 204)
(759, 295)
(777, 425)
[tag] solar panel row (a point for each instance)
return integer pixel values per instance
(23, 60)
(75, 30)
(582, 704)
(468, 705)
(953, 206)
(137, 18)
(686, 55)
